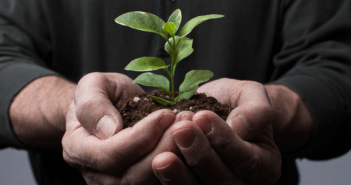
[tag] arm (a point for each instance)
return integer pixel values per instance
(315, 62)
(24, 47)
(38, 112)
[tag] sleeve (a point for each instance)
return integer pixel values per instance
(315, 62)
(23, 46)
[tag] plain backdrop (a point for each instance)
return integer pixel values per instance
(15, 170)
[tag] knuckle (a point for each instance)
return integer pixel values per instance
(83, 105)
(225, 146)
(69, 156)
(92, 75)
(148, 145)
(103, 162)
(254, 84)
(104, 159)
(84, 113)
(125, 77)
(88, 78)
(199, 162)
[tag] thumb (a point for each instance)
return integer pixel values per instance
(95, 99)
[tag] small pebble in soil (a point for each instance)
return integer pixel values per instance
(167, 97)
(175, 111)
(136, 99)
(190, 108)
(146, 99)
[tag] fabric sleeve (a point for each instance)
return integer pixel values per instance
(315, 62)
(23, 45)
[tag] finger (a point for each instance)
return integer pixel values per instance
(252, 113)
(96, 96)
(96, 177)
(199, 155)
(166, 144)
(115, 153)
(142, 165)
(258, 162)
(184, 115)
(170, 170)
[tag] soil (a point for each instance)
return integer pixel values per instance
(136, 107)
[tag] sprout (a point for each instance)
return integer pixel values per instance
(178, 47)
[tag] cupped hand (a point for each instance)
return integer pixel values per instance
(95, 141)
(240, 150)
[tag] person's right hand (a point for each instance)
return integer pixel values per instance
(95, 141)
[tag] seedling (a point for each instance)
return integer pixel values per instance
(178, 47)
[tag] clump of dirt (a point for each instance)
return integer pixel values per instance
(136, 107)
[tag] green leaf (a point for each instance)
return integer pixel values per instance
(186, 95)
(146, 64)
(153, 80)
(160, 100)
(143, 21)
(169, 28)
(193, 78)
(184, 47)
(190, 25)
(176, 18)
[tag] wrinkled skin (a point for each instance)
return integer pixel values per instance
(188, 148)
(107, 153)
(239, 151)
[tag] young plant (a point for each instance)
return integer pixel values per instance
(178, 47)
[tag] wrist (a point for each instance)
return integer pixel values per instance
(60, 97)
(38, 111)
(292, 123)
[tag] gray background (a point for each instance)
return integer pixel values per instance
(15, 170)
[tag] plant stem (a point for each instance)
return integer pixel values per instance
(172, 67)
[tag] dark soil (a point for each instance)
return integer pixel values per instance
(136, 107)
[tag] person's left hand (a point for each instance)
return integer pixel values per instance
(240, 150)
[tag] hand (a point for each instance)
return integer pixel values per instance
(240, 150)
(95, 143)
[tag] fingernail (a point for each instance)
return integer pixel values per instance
(205, 124)
(165, 121)
(184, 138)
(164, 173)
(186, 117)
(106, 127)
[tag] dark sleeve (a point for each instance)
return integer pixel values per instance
(315, 62)
(23, 46)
